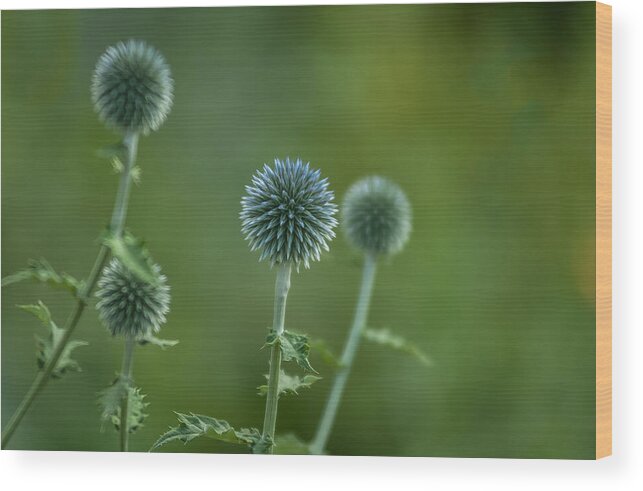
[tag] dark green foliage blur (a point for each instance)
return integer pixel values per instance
(484, 114)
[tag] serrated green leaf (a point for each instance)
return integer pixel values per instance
(293, 347)
(39, 310)
(135, 408)
(41, 270)
(117, 154)
(290, 384)
(291, 444)
(110, 401)
(161, 343)
(136, 174)
(65, 363)
(386, 338)
(327, 356)
(46, 346)
(133, 254)
(192, 426)
(117, 165)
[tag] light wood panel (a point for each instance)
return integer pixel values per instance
(603, 230)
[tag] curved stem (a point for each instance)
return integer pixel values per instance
(282, 285)
(318, 444)
(130, 140)
(126, 376)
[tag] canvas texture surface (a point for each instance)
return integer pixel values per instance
(484, 115)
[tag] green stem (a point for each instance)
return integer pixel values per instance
(117, 223)
(318, 445)
(126, 377)
(130, 141)
(282, 285)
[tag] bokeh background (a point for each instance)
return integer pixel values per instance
(483, 113)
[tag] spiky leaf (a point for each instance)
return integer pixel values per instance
(41, 270)
(117, 164)
(385, 337)
(135, 408)
(291, 444)
(111, 399)
(135, 172)
(192, 426)
(40, 311)
(45, 346)
(290, 384)
(153, 340)
(133, 254)
(293, 347)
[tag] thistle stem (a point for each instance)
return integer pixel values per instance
(117, 223)
(130, 141)
(318, 445)
(126, 377)
(282, 285)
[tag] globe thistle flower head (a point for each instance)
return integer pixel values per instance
(288, 213)
(132, 87)
(129, 306)
(377, 216)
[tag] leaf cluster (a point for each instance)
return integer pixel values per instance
(45, 346)
(110, 400)
(117, 153)
(290, 384)
(41, 270)
(294, 347)
(193, 425)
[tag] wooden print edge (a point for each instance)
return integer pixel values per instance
(603, 230)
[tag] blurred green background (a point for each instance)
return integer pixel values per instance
(483, 113)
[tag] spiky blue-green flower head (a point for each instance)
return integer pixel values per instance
(132, 87)
(288, 213)
(129, 306)
(376, 216)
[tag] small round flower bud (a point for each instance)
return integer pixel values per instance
(288, 213)
(129, 306)
(132, 87)
(377, 216)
